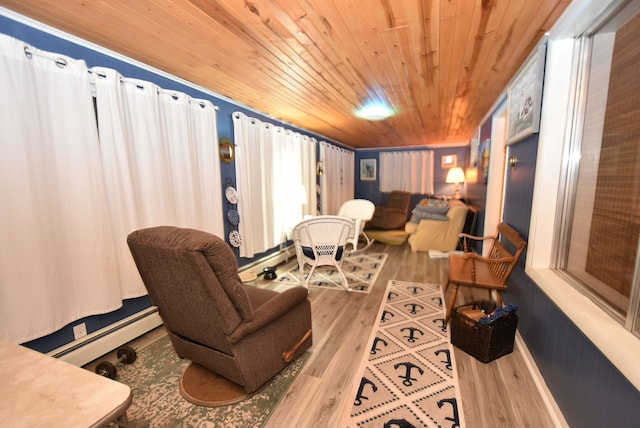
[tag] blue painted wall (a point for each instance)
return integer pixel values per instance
(370, 189)
(589, 390)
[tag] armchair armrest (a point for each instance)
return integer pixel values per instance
(271, 310)
(466, 237)
(476, 256)
(475, 238)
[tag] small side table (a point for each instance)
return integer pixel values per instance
(38, 390)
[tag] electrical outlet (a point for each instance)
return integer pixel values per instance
(79, 331)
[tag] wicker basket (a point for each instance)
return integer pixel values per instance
(485, 342)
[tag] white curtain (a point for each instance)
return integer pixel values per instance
(57, 259)
(411, 171)
(72, 190)
(274, 183)
(337, 184)
(160, 163)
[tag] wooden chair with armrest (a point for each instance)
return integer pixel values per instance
(489, 272)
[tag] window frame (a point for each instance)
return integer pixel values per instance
(561, 104)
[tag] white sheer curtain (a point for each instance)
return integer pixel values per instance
(160, 163)
(72, 191)
(337, 184)
(57, 260)
(272, 167)
(411, 171)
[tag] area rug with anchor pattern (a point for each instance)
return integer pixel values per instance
(361, 270)
(408, 376)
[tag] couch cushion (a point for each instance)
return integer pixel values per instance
(433, 212)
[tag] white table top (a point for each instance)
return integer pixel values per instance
(38, 390)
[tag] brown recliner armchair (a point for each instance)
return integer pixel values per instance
(243, 333)
(394, 214)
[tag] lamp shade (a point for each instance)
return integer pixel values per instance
(455, 175)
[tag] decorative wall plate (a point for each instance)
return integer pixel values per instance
(235, 238)
(233, 217)
(231, 194)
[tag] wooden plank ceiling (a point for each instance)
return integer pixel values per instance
(442, 64)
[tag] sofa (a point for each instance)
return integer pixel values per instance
(435, 224)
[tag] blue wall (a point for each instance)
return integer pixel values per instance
(589, 390)
(370, 189)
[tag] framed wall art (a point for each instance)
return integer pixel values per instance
(368, 169)
(525, 96)
(448, 161)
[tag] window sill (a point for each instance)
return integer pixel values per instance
(619, 345)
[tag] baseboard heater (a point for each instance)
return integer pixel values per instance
(101, 342)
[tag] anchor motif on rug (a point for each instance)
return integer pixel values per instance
(413, 307)
(386, 313)
(408, 380)
(412, 330)
(400, 423)
(454, 405)
(374, 347)
(414, 290)
(442, 322)
(447, 360)
(360, 395)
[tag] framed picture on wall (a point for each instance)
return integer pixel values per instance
(525, 97)
(448, 161)
(368, 170)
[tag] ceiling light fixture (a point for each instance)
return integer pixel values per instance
(375, 110)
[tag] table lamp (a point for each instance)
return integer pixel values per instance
(455, 175)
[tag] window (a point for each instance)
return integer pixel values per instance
(598, 248)
(575, 95)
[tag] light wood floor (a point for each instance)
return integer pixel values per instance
(497, 394)
(501, 393)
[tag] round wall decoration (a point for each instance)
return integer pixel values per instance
(231, 194)
(235, 238)
(233, 217)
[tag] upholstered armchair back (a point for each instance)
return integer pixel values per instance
(399, 200)
(193, 277)
(394, 214)
(243, 333)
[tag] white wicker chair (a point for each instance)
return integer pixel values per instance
(321, 241)
(360, 211)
